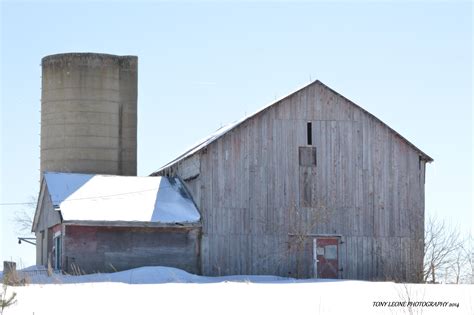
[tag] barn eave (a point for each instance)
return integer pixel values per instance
(226, 129)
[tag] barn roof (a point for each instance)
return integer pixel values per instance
(89, 197)
(223, 130)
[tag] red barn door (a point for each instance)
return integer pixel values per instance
(327, 257)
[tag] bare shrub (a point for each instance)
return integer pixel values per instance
(441, 250)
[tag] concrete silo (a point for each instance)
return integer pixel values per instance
(89, 114)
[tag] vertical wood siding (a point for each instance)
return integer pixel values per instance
(261, 208)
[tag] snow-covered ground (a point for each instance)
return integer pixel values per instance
(163, 290)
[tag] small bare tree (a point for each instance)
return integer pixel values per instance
(302, 229)
(456, 269)
(23, 218)
(442, 243)
(461, 268)
(468, 251)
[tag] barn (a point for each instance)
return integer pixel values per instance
(311, 185)
(88, 223)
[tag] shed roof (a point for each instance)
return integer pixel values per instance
(89, 197)
(223, 130)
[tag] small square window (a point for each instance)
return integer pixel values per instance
(307, 156)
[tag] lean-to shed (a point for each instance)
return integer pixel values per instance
(98, 223)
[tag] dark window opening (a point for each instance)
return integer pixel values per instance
(309, 130)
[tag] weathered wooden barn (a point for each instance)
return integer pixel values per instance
(310, 186)
(98, 223)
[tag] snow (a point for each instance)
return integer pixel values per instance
(155, 290)
(62, 185)
(142, 275)
(121, 198)
(174, 204)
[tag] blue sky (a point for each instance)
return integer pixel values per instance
(204, 64)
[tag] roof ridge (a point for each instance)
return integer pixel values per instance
(215, 135)
(426, 156)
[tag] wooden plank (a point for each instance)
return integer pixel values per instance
(251, 186)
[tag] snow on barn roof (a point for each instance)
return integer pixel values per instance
(92, 197)
(223, 130)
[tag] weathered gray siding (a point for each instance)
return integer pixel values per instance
(108, 248)
(261, 209)
(47, 217)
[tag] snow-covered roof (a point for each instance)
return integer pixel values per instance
(88, 197)
(223, 130)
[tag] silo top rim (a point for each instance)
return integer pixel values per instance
(76, 55)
